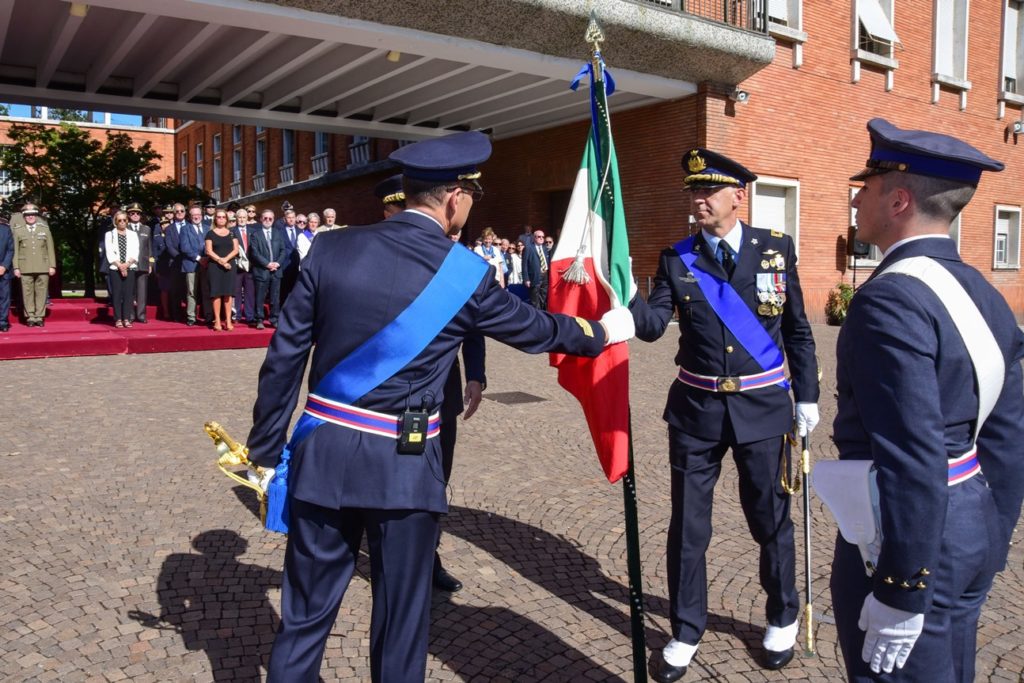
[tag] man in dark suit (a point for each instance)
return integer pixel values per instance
(346, 473)
(536, 259)
(740, 305)
(172, 242)
(290, 263)
(266, 260)
(146, 260)
(6, 266)
(245, 288)
(190, 243)
(930, 393)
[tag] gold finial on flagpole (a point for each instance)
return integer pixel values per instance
(595, 36)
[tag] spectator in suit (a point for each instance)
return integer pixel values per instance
(145, 259)
(191, 247)
(6, 264)
(173, 242)
(35, 261)
(330, 216)
(536, 260)
(305, 240)
(122, 251)
(267, 255)
(289, 228)
(245, 289)
(162, 266)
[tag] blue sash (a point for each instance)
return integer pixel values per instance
(381, 356)
(733, 312)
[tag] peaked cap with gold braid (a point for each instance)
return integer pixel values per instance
(710, 169)
(389, 191)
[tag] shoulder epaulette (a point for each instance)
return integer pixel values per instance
(778, 233)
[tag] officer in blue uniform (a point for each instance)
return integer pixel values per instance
(738, 297)
(389, 192)
(949, 481)
(370, 463)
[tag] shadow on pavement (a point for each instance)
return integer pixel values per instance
(218, 604)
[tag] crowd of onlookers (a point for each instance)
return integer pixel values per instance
(221, 266)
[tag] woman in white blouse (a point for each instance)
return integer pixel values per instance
(491, 253)
(122, 250)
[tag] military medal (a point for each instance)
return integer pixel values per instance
(764, 264)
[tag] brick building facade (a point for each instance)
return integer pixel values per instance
(944, 65)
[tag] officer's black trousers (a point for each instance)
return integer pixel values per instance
(320, 559)
(696, 464)
(945, 652)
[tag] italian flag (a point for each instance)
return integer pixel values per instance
(590, 273)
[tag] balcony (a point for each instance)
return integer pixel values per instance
(320, 165)
(744, 14)
(215, 194)
(286, 174)
(359, 152)
(236, 188)
(259, 183)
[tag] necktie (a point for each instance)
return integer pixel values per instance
(543, 260)
(725, 258)
(245, 239)
(291, 236)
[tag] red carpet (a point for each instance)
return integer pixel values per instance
(83, 327)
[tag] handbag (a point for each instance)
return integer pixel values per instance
(242, 260)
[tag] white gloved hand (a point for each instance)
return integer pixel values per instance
(807, 418)
(889, 634)
(632, 284)
(618, 325)
(262, 481)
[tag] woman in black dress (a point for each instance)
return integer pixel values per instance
(221, 249)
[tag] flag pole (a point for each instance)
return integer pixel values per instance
(594, 37)
(636, 589)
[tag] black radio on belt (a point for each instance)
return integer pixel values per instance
(412, 440)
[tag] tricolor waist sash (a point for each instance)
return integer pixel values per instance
(963, 468)
(377, 359)
(361, 419)
(732, 384)
(734, 312)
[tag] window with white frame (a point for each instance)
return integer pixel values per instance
(287, 147)
(785, 24)
(236, 165)
(775, 205)
(1006, 245)
(184, 160)
(236, 135)
(951, 38)
(216, 174)
(184, 178)
(199, 177)
(261, 157)
(216, 143)
(1013, 49)
(320, 143)
(784, 12)
(199, 152)
(260, 130)
(876, 33)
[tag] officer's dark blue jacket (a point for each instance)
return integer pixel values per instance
(352, 283)
(707, 347)
(904, 370)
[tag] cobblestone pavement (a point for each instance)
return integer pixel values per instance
(126, 555)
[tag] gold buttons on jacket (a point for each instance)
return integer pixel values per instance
(728, 349)
(686, 297)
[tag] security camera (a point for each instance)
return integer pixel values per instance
(741, 96)
(1017, 128)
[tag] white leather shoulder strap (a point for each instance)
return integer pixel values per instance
(986, 357)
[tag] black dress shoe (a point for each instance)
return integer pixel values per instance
(668, 673)
(190, 323)
(443, 581)
(259, 325)
(774, 660)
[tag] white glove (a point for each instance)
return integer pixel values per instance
(806, 418)
(889, 634)
(632, 284)
(618, 324)
(262, 481)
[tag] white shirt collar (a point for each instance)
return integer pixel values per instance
(427, 215)
(734, 238)
(912, 239)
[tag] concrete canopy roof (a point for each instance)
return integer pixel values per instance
(406, 69)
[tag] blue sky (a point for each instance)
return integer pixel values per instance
(123, 119)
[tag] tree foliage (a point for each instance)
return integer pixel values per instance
(60, 114)
(77, 181)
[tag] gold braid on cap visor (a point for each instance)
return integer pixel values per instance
(394, 198)
(710, 178)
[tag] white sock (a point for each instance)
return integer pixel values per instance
(779, 638)
(678, 654)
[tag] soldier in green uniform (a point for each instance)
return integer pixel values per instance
(34, 262)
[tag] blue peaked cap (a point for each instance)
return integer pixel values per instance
(389, 191)
(705, 168)
(448, 159)
(924, 153)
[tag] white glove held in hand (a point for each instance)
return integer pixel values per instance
(889, 634)
(806, 418)
(618, 323)
(264, 481)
